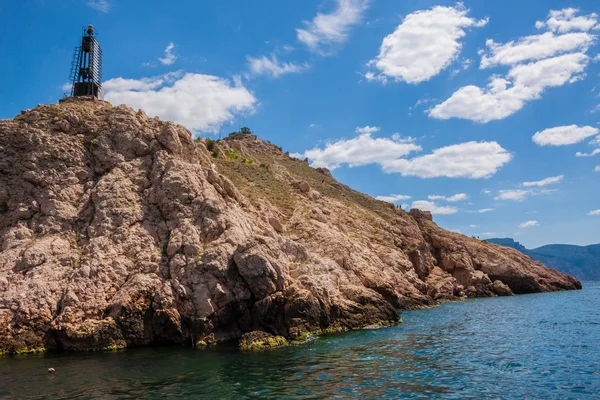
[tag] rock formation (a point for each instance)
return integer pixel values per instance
(119, 230)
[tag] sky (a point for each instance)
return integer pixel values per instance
(485, 113)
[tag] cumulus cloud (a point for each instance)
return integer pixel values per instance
(593, 153)
(197, 101)
(595, 212)
(565, 20)
(367, 129)
(514, 194)
(521, 194)
(554, 58)
(544, 182)
(504, 96)
(435, 209)
(170, 56)
(325, 31)
(100, 5)
(393, 198)
(529, 224)
(423, 45)
(466, 160)
(535, 47)
(361, 150)
(564, 135)
(485, 210)
(454, 198)
(273, 67)
(597, 169)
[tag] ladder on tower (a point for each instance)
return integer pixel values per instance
(74, 67)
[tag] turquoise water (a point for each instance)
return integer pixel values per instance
(532, 346)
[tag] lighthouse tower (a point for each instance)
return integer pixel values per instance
(86, 68)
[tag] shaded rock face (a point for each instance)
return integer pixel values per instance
(118, 230)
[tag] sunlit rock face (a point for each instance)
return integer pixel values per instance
(119, 230)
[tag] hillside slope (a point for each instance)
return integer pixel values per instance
(119, 230)
(583, 262)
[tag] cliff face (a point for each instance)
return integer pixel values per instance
(119, 230)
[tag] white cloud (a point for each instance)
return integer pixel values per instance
(529, 224)
(514, 194)
(454, 198)
(313, 125)
(430, 206)
(466, 160)
(486, 191)
(564, 135)
(504, 96)
(544, 182)
(555, 58)
(100, 5)
(273, 67)
(393, 198)
(328, 30)
(361, 150)
(423, 45)
(485, 210)
(593, 153)
(473, 226)
(535, 47)
(521, 194)
(565, 20)
(597, 169)
(471, 160)
(595, 212)
(197, 101)
(367, 129)
(170, 57)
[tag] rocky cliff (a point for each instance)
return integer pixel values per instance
(119, 230)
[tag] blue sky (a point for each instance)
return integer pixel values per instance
(484, 112)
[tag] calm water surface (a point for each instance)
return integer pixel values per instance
(533, 346)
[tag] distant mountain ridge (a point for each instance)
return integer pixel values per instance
(583, 262)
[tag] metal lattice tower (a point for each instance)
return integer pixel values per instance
(86, 67)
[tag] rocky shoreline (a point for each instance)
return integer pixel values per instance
(118, 230)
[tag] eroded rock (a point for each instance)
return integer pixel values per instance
(117, 230)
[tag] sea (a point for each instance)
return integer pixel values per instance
(537, 346)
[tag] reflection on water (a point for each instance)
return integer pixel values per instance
(533, 346)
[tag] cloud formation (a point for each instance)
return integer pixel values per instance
(544, 182)
(393, 198)
(367, 129)
(199, 102)
(529, 224)
(454, 198)
(170, 56)
(504, 96)
(521, 194)
(325, 31)
(432, 207)
(564, 135)
(595, 212)
(100, 5)
(536, 62)
(361, 150)
(465, 160)
(423, 45)
(565, 20)
(273, 67)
